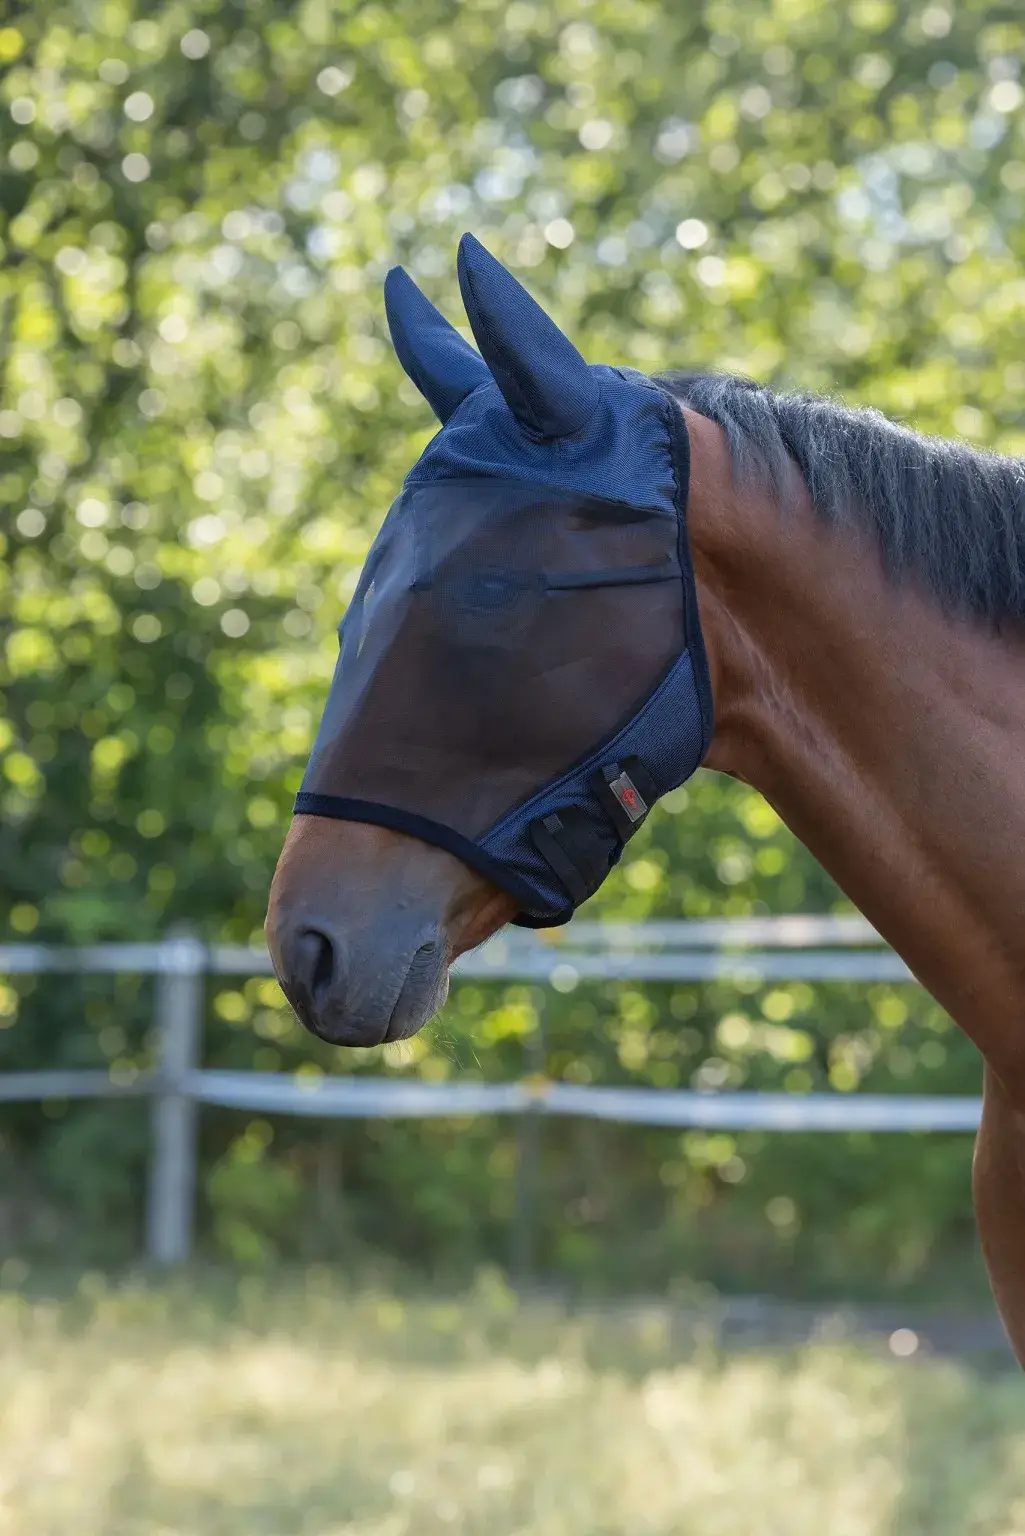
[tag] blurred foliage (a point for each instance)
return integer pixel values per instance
(201, 422)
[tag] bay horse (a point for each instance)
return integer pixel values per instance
(860, 591)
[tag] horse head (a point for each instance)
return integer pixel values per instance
(521, 672)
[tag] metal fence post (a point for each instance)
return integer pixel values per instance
(179, 1014)
(528, 1161)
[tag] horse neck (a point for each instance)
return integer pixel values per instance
(888, 736)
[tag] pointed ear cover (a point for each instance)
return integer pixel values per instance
(443, 366)
(546, 383)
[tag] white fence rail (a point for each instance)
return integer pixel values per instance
(749, 949)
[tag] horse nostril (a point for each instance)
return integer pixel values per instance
(319, 958)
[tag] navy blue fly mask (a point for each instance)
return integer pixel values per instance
(522, 672)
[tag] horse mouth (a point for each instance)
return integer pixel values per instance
(423, 992)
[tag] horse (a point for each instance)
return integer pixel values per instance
(850, 593)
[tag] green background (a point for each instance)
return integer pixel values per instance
(201, 424)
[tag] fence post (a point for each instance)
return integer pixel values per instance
(179, 1013)
(528, 1161)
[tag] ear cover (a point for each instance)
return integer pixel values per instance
(546, 383)
(443, 366)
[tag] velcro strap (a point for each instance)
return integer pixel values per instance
(627, 793)
(565, 841)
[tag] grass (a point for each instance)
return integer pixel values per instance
(305, 1409)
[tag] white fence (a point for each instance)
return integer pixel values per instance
(753, 949)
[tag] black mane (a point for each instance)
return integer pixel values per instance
(947, 513)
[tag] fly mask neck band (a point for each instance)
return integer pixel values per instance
(522, 672)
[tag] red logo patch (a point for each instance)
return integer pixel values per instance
(626, 793)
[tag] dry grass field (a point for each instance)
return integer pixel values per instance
(304, 1409)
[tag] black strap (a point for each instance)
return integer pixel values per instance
(568, 845)
(566, 840)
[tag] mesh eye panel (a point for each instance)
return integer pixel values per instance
(498, 633)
